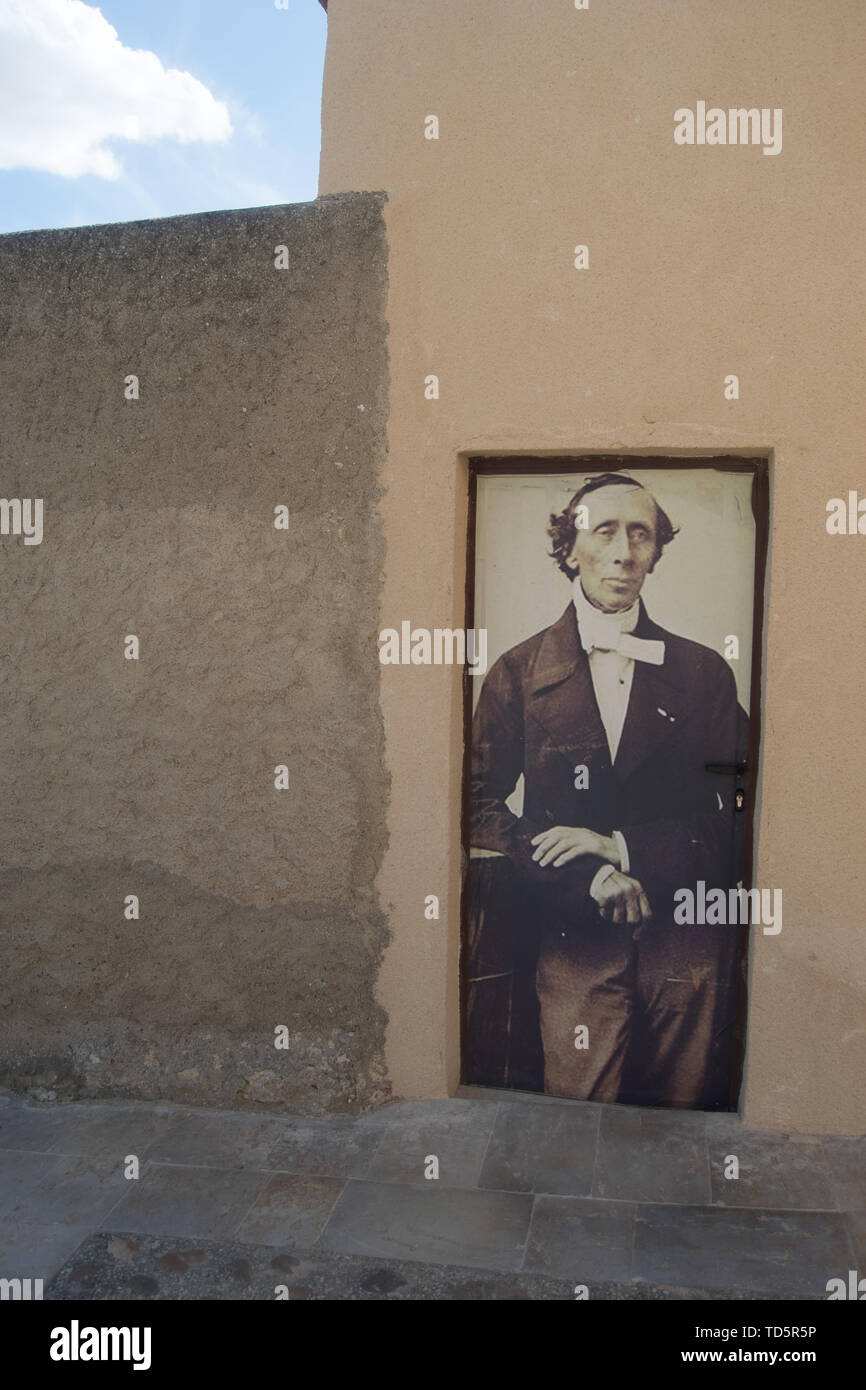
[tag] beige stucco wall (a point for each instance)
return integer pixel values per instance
(556, 128)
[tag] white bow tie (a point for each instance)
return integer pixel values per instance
(605, 635)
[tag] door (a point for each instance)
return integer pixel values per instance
(611, 756)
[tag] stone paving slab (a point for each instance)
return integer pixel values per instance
(34, 1128)
(535, 1149)
(175, 1200)
(786, 1254)
(219, 1141)
(327, 1148)
(52, 1202)
(787, 1171)
(78, 1190)
(406, 1114)
(21, 1173)
(292, 1209)
(652, 1156)
(97, 1131)
(128, 1266)
(582, 1240)
(855, 1224)
(846, 1163)
(456, 1134)
(434, 1225)
(30, 1250)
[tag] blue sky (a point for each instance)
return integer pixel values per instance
(92, 131)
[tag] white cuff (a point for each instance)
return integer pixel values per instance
(604, 872)
(623, 850)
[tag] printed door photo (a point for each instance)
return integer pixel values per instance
(610, 771)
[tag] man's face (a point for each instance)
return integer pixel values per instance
(614, 553)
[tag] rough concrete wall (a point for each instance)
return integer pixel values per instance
(259, 387)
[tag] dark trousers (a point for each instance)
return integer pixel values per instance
(659, 1011)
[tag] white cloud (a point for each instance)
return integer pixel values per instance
(68, 86)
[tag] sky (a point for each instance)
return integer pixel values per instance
(132, 109)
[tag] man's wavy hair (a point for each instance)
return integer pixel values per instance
(563, 530)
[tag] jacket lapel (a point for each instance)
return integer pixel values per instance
(655, 707)
(562, 698)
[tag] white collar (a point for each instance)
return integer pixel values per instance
(592, 620)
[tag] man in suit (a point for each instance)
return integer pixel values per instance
(612, 721)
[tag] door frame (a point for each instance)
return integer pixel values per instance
(754, 461)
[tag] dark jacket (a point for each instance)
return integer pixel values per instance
(537, 715)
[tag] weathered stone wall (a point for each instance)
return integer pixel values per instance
(259, 388)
